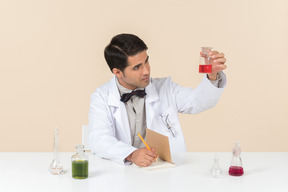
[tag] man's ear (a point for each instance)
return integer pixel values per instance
(117, 72)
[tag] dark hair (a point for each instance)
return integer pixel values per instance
(121, 46)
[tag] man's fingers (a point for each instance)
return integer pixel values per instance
(153, 152)
(221, 67)
(217, 55)
(150, 158)
(213, 53)
(220, 60)
(146, 162)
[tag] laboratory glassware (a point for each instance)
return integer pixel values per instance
(79, 163)
(56, 167)
(216, 171)
(205, 62)
(236, 167)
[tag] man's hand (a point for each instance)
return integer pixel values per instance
(143, 157)
(218, 64)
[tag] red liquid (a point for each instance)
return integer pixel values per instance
(205, 68)
(236, 171)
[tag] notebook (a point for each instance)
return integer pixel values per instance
(161, 144)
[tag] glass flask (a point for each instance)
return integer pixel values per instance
(79, 163)
(236, 168)
(56, 167)
(216, 171)
(205, 62)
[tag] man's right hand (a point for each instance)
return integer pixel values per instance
(143, 157)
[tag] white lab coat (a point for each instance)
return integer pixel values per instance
(109, 132)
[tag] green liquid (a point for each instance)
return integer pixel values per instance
(80, 169)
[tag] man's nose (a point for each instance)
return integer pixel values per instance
(146, 69)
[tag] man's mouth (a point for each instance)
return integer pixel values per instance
(145, 78)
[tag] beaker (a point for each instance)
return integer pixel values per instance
(205, 61)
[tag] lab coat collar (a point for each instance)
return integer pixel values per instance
(151, 102)
(114, 96)
(119, 108)
(151, 91)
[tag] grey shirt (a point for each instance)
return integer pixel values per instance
(135, 108)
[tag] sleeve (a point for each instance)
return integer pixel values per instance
(102, 132)
(218, 82)
(203, 97)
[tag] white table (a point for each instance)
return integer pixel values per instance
(29, 172)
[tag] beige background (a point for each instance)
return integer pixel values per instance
(51, 60)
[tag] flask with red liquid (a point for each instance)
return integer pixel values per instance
(205, 62)
(236, 168)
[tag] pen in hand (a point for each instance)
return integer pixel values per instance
(145, 144)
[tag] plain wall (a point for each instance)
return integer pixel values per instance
(51, 60)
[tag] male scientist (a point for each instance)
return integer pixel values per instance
(133, 101)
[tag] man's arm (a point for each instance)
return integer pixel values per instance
(203, 97)
(102, 131)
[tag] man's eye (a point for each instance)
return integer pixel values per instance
(136, 67)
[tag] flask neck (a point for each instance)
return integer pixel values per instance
(237, 150)
(205, 51)
(80, 149)
(56, 144)
(216, 163)
(236, 161)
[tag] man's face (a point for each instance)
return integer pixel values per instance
(137, 73)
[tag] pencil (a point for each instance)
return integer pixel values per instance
(144, 142)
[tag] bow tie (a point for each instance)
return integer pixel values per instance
(125, 97)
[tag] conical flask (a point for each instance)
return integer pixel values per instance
(236, 167)
(216, 171)
(56, 167)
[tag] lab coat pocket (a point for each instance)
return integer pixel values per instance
(170, 122)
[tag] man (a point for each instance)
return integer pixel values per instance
(115, 117)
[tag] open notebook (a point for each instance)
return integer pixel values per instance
(161, 144)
